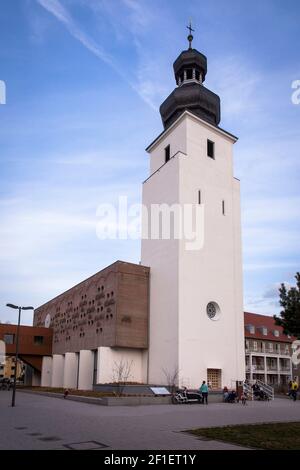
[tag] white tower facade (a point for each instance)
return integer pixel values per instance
(196, 326)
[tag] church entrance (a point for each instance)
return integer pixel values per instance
(214, 377)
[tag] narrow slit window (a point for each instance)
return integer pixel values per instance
(223, 207)
(210, 149)
(167, 153)
(199, 197)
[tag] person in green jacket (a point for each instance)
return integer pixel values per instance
(204, 391)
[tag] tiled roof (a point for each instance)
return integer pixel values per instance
(260, 321)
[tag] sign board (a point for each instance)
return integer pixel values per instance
(160, 391)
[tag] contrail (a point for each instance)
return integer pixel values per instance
(61, 14)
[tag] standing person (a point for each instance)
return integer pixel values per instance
(294, 390)
(225, 393)
(290, 388)
(256, 390)
(204, 391)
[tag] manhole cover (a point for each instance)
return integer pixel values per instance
(49, 438)
(89, 445)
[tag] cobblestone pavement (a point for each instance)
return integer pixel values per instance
(39, 422)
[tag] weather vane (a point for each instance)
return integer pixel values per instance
(190, 36)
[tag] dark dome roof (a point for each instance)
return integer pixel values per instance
(190, 58)
(192, 97)
(190, 69)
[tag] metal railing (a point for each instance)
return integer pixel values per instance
(269, 391)
(267, 351)
(258, 367)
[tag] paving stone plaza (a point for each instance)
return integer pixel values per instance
(39, 422)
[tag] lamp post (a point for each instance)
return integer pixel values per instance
(17, 348)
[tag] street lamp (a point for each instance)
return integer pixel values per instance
(17, 347)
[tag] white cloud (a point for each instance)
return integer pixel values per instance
(235, 81)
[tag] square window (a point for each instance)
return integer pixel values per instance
(210, 149)
(38, 339)
(9, 338)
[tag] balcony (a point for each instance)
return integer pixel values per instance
(255, 367)
(267, 351)
(272, 369)
(285, 368)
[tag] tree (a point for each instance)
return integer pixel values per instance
(121, 374)
(289, 317)
(172, 379)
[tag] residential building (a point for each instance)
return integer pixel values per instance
(268, 350)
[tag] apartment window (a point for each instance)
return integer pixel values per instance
(9, 339)
(265, 331)
(276, 333)
(199, 197)
(251, 329)
(270, 346)
(255, 345)
(247, 344)
(210, 149)
(38, 339)
(167, 153)
(223, 207)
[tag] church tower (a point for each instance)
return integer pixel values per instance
(196, 295)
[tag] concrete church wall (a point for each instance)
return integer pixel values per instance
(71, 370)
(46, 376)
(86, 370)
(57, 370)
(182, 337)
(109, 359)
(162, 256)
(213, 273)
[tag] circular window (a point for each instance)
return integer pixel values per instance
(213, 311)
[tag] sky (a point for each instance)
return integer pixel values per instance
(84, 81)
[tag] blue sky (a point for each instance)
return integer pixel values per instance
(84, 82)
